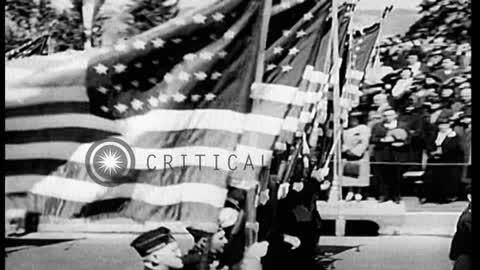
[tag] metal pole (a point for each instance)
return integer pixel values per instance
(88, 7)
(335, 192)
(251, 198)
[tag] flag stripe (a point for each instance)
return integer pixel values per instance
(72, 134)
(169, 176)
(37, 95)
(167, 120)
(49, 108)
(189, 213)
(82, 191)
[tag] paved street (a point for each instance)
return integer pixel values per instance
(111, 251)
(392, 252)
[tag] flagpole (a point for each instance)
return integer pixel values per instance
(252, 225)
(335, 193)
(88, 7)
(266, 14)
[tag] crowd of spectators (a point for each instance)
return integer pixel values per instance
(419, 111)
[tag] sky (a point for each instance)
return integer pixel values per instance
(380, 4)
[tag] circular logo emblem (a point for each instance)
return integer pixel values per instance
(109, 161)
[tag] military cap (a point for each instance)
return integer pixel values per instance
(149, 241)
(198, 233)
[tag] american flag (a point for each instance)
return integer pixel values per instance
(182, 88)
(323, 119)
(295, 68)
(281, 95)
(362, 44)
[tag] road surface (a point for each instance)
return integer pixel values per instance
(43, 251)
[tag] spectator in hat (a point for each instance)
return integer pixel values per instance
(463, 128)
(403, 84)
(447, 96)
(443, 181)
(356, 138)
(433, 62)
(414, 64)
(437, 109)
(421, 131)
(447, 70)
(390, 140)
(380, 100)
(466, 96)
(158, 250)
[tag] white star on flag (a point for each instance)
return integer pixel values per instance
(277, 50)
(308, 16)
(158, 43)
(155, 62)
(183, 76)
(153, 101)
(200, 75)
(104, 108)
(286, 33)
(218, 16)
(119, 68)
(102, 90)
(195, 97)
(189, 57)
(210, 96)
(135, 83)
(216, 75)
(101, 69)
(121, 107)
(121, 47)
(206, 55)
(293, 51)
(163, 98)
(176, 40)
(229, 34)
(301, 33)
(138, 65)
(139, 44)
(118, 87)
(199, 18)
(153, 80)
(179, 97)
(222, 54)
(137, 104)
(271, 66)
(168, 77)
(286, 68)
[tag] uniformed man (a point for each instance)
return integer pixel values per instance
(205, 250)
(159, 250)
